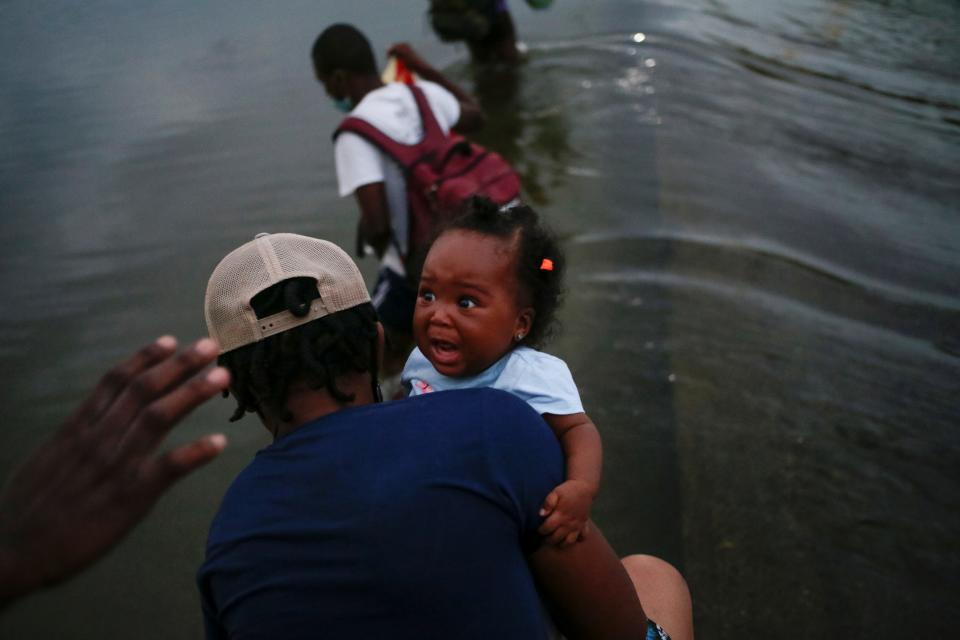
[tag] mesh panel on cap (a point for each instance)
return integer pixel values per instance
(230, 319)
(246, 271)
(339, 281)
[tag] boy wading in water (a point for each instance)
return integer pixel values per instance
(344, 63)
(489, 291)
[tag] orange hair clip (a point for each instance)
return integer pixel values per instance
(546, 265)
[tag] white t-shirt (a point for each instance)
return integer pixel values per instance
(392, 110)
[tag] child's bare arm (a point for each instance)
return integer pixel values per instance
(567, 507)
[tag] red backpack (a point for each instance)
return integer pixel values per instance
(442, 171)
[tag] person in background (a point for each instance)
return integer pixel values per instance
(344, 63)
(484, 25)
(80, 493)
(409, 519)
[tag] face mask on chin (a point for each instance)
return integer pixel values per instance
(343, 104)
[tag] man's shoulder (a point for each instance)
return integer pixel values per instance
(481, 399)
(509, 430)
(482, 410)
(461, 417)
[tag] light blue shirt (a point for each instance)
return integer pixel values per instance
(541, 380)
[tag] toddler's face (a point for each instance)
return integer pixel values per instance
(468, 312)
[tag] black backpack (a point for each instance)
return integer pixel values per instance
(462, 19)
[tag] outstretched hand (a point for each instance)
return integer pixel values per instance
(99, 475)
(566, 509)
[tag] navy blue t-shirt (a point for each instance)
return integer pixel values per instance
(410, 519)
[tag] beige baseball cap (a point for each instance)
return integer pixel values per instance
(262, 263)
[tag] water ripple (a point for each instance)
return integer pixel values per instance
(773, 276)
(781, 253)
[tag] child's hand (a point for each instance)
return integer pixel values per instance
(567, 509)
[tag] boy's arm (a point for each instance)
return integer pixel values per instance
(374, 227)
(567, 507)
(360, 172)
(588, 591)
(472, 117)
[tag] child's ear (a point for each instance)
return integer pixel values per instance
(524, 321)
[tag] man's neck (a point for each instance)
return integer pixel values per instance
(306, 404)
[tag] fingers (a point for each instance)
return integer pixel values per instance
(115, 381)
(153, 383)
(154, 422)
(549, 504)
(561, 535)
(552, 524)
(563, 530)
(564, 536)
(177, 463)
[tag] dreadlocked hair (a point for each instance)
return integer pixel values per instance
(317, 353)
(540, 260)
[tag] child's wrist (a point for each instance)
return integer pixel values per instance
(590, 488)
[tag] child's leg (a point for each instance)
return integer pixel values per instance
(663, 593)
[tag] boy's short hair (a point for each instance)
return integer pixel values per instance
(343, 46)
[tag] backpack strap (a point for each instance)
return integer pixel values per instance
(433, 135)
(406, 155)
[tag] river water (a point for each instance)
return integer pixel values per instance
(760, 200)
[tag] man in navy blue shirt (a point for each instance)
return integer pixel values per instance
(410, 519)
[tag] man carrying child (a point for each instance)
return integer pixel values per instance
(409, 519)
